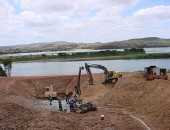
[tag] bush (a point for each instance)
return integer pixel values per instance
(44, 55)
(2, 72)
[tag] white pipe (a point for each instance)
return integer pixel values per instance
(137, 119)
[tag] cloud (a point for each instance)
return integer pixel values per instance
(77, 21)
(5, 8)
(58, 6)
(154, 15)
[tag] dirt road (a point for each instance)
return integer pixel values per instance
(132, 103)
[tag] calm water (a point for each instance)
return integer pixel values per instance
(65, 68)
(158, 50)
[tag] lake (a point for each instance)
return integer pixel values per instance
(68, 68)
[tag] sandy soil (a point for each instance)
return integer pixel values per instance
(132, 103)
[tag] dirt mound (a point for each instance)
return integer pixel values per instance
(14, 116)
(147, 100)
(125, 105)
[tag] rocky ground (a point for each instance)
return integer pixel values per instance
(132, 103)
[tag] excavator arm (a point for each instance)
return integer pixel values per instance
(90, 80)
(77, 89)
(88, 66)
(110, 76)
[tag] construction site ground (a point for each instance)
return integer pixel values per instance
(131, 104)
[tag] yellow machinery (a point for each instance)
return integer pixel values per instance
(110, 76)
(49, 91)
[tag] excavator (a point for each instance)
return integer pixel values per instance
(81, 106)
(77, 90)
(110, 76)
(49, 91)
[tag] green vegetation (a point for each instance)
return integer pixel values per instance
(78, 55)
(7, 65)
(101, 55)
(2, 72)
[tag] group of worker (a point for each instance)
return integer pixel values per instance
(70, 102)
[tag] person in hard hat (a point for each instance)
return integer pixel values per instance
(67, 98)
(60, 104)
(50, 98)
(72, 102)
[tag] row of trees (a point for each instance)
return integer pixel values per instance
(103, 53)
(7, 65)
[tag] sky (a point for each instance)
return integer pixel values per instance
(87, 21)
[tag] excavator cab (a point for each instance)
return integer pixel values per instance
(114, 74)
(49, 91)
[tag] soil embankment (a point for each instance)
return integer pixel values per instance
(131, 97)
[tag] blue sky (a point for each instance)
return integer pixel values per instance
(32, 21)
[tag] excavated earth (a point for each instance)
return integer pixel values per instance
(131, 104)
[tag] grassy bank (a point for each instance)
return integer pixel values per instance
(81, 58)
(127, 57)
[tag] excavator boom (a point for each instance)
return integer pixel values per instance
(110, 76)
(77, 87)
(81, 106)
(90, 80)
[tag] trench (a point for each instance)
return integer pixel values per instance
(38, 104)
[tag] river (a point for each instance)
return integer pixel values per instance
(65, 68)
(68, 68)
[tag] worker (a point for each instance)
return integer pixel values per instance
(50, 98)
(60, 104)
(67, 98)
(72, 102)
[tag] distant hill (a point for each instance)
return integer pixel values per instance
(136, 43)
(62, 45)
(148, 39)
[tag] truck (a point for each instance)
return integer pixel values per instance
(153, 72)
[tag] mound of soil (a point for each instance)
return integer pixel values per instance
(125, 105)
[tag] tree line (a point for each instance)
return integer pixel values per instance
(103, 53)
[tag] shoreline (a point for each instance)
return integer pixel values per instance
(126, 57)
(28, 59)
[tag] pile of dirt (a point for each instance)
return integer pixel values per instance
(147, 100)
(125, 105)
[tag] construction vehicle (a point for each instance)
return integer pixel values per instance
(49, 91)
(153, 72)
(81, 106)
(85, 107)
(77, 90)
(110, 76)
